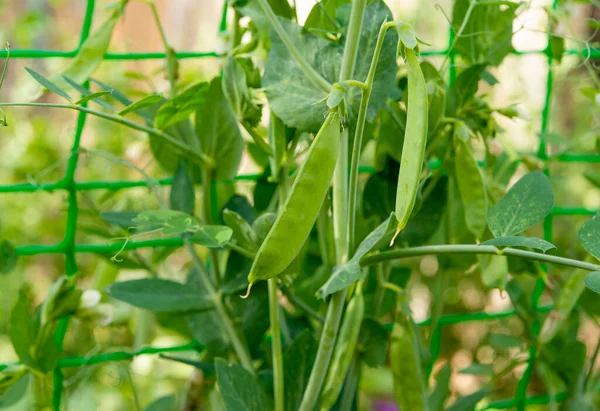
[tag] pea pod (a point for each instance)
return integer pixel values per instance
(344, 351)
(415, 139)
(302, 206)
(409, 384)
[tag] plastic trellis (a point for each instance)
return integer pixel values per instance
(70, 249)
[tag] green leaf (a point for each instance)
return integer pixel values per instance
(48, 84)
(239, 389)
(464, 88)
(478, 369)
(158, 295)
(526, 203)
(212, 236)
(92, 51)
(205, 326)
(557, 46)
(441, 392)
(298, 359)
(487, 34)
(592, 177)
(372, 342)
(504, 341)
(22, 330)
(322, 18)
(116, 94)
(8, 257)
(469, 402)
(589, 237)
(235, 88)
(218, 132)
(183, 196)
(167, 221)
(182, 106)
(252, 9)
(292, 95)
(124, 219)
(517, 241)
(494, 270)
(592, 281)
(471, 187)
(166, 403)
(93, 96)
(62, 299)
(207, 367)
(145, 102)
(351, 272)
(86, 92)
(13, 387)
(242, 231)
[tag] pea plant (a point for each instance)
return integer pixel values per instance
(298, 292)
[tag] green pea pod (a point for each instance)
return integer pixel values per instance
(409, 384)
(302, 206)
(344, 351)
(415, 139)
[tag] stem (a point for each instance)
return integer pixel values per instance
(260, 142)
(474, 249)
(340, 213)
(183, 148)
(298, 303)
(239, 346)
(308, 70)
(276, 349)
(41, 395)
(170, 58)
(207, 180)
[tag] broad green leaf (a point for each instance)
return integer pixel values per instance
(239, 389)
(235, 88)
(293, 96)
(526, 203)
(51, 86)
(158, 295)
(565, 303)
(351, 272)
(494, 270)
(124, 219)
(471, 186)
(22, 329)
(166, 403)
(504, 341)
(182, 106)
(92, 51)
(486, 35)
(167, 156)
(517, 241)
(8, 257)
(372, 342)
(93, 96)
(570, 371)
(322, 19)
(242, 231)
(391, 125)
(183, 195)
(478, 369)
(13, 386)
(252, 9)
(145, 102)
(464, 88)
(298, 361)
(469, 402)
(592, 281)
(218, 132)
(213, 236)
(441, 392)
(167, 221)
(589, 237)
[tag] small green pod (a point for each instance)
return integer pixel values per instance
(344, 351)
(405, 359)
(302, 206)
(415, 139)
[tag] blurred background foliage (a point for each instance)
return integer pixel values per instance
(35, 148)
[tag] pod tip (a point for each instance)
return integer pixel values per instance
(398, 229)
(247, 292)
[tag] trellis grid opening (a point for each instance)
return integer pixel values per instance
(69, 248)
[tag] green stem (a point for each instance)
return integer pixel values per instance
(41, 393)
(340, 221)
(260, 142)
(308, 70)
(239, 346)
(183, 148)
(276, 348)
(297, 302)
(455, 249)
(207, 181)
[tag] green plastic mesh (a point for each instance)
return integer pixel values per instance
(70, 248)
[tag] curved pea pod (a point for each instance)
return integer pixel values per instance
(302, 206)
(344, 351)
(415, 139)
(405, 359)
